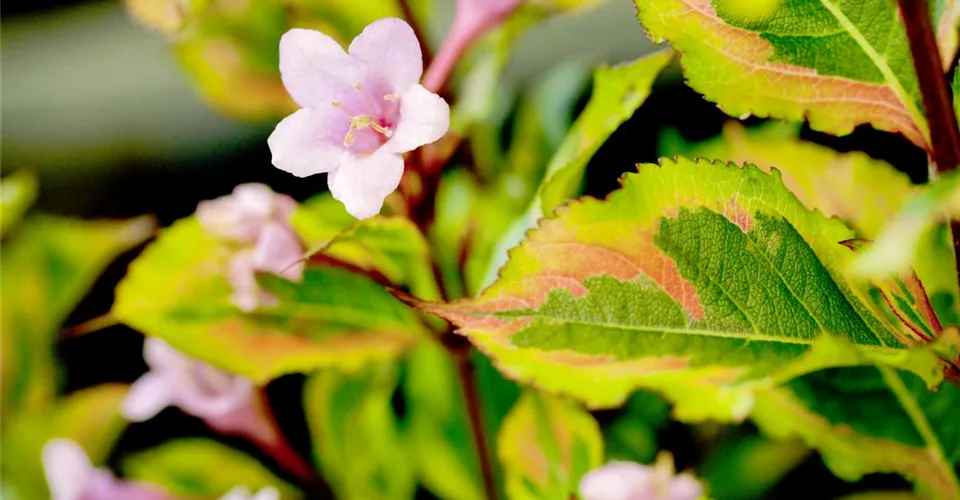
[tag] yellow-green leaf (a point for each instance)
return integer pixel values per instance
(618, 92)
(48, 265)
(200, 469)
(699, 280)
(863, 192)
(896, 248)
(871, 419)
(545, 446)
(17, 192)
(90, 417)
(437, 427)
(836, 63)
(356, 439)
(176, 290)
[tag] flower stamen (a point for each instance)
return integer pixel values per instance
(390, 97)
(385, 131)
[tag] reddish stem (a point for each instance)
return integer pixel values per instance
(257, 424)
(461, 350)
(937, 98)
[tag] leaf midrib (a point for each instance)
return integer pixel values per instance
(881, 64)
(750, 337)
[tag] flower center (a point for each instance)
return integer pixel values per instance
(360, 122)
(368, 116)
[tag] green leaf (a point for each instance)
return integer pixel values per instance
(863, 192)
(946, 22)
(836, 63)
(176, 290)
(896, 248)
(17, 193)
(437, 427)
(546, 445)
(47, 268)
(868, 419)
(956, 91)
(906, 298)
(632, 436)
(90, 417)
(355, 435)
(747, 466)
(617, 93)
(391, 246)
(195, 468)
(542, 120)
(696, 279)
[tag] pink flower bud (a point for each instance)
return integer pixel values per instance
(71, 476)
(633, 481)
(243, 493)
(195, 387)
(257, 220)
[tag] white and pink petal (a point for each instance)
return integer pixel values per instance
(362, 183)
(309, 141)
(389, 53)
(314, 68)
(424, 118)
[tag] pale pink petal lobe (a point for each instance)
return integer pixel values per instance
(67, 468)
(278, 251)
(307, 142)
(390, 53)
(363, 182)
(314, 68)
(151, 393)
(424, 118)
(159, 354)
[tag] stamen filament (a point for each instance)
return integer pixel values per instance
(381, 129)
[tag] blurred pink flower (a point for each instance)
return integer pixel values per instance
(243, 493)
(361, 110)
(228, 403)
(242, 215)
(71, 476)
(256, 219)
(195, 387)
(472, 19)
(633, 481)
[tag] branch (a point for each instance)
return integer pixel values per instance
(937, 99)
(461, 350)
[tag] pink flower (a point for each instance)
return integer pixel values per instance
(256, 220)
(195, 387)
(472, 19)
(361, 110)
(71, 476)
(633, 481)
(242, 493)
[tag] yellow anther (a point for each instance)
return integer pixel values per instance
(358, 87)
(358, 122)
(336, 104)
(361, 121)
(390, 97)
